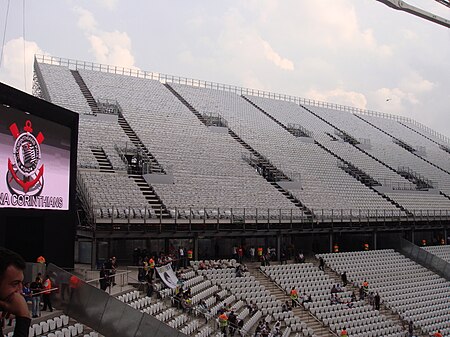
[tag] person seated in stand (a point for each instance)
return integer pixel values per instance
(333, 299)
(285, 307)
(338, 288)
(334, 290)
(187, 304)
(187, 293)
(370, 298)
(202, 265)
(252, 308)
(260, 327)
(203, 309)
(26, 292)
(344, 332)
(276, 331)
(244, 268)
(362, 294)
(308, 299)
(239, 271)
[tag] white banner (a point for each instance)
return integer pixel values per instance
(167, 275)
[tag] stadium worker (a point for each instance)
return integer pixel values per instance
(11, 301)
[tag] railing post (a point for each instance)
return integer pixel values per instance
(160, 219)
(145, 215)
(190, 219)
(291, 218)
(218, 217)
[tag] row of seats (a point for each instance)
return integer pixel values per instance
(414, 292)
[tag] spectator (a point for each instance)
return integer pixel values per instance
(240, 254)
(104, 278)
(203, 309)
(283, 257)
(232, 323)
(111, 266)
(370, 298)
(36, 288)
(26, 292)
(344, 278)
(321, 264)
(150, 288)
(362, 294)
(377, 301)
(252, 253)
(410, 329)
(308, 299)
(181, 258)
(239, 271)
(334, 289)
(12, 302)
(333, 298)
(285, 307)
(344, 332)
(253, 308)
(276, 331)
(264, 261)
(301, 258)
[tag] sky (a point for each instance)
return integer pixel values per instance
(359, 53)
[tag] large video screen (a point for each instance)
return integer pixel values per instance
(34, 161)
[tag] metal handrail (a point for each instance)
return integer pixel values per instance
(76, 64)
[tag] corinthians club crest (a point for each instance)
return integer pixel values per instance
(24, 175)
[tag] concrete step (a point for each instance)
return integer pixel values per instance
(383, 309)
(303, 314)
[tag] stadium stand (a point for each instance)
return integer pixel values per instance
(326, 151)
(322, 182)
(412, 291)
(360, 318)
(232, 155)
(440, 251)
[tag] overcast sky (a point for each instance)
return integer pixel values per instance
(354, 52)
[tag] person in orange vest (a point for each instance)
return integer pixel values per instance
(344, 332)
(365, 286)
(40, 259)
(294, 297)
(260, 252)
(223, 323)
(151, 268)
(189, 255)
(47, 285)
(437, 334)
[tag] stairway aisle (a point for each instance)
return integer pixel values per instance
(303, 314)
(157, 206)
(102, 160)
(154, 166)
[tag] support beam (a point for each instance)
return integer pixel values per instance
(403, 6)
